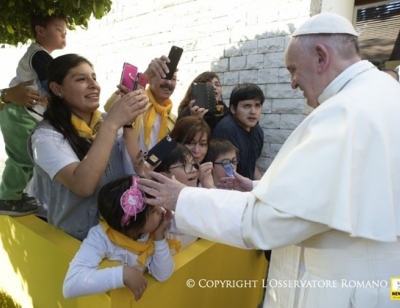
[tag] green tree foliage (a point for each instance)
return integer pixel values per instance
(6, 301)
(15, 17)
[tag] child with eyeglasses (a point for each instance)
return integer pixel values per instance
(131, 232)
(181, 165)
(224, 157)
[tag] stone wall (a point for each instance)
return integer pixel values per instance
(243, 41)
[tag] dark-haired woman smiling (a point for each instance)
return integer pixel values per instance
(75, 150)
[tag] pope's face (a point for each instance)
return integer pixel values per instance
(302, 67)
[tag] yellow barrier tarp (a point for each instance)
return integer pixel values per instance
(34, 257)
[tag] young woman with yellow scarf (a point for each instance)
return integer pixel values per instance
(74, 149)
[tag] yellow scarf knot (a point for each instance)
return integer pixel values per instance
(143, 250)
(163, 111)
(84, 130)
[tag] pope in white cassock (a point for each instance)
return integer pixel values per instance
(329, 204)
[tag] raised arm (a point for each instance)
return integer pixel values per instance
(83, 177)
(84, 276)
(162, 264)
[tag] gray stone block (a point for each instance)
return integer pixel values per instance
(237, 63)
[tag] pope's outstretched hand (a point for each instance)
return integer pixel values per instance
(164, 190)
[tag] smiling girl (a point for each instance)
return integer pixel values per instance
(75, 148)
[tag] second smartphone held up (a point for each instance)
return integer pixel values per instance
(204, 96)
(161, 150)
(174, 57)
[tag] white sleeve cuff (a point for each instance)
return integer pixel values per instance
(213, 214)
(255, 183)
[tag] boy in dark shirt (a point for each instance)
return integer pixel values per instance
(241, 127)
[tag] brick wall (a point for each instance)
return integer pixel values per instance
(243, 41)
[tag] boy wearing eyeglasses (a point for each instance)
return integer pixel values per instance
(241, 127)
(180, 164)
(224, 157)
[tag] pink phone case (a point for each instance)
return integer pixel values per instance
(142, 80)
(128, 76)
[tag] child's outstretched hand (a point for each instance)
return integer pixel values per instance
(142, 168)
(205, 175)
(135, 281)
(166, 221)
(238, 182)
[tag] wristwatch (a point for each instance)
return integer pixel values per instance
(130, 125)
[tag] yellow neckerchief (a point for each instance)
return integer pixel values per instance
(174, 244)
(151, 117)
(143, 250)
(84, 130)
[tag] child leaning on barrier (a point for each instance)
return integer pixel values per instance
(180, 164)
(129, 231)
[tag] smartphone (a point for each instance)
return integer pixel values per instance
(161, 150)
(142, 80)
(174, 57)
(128, 75)
(204, 96)
(229, 170)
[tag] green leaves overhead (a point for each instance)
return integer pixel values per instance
(15, 15)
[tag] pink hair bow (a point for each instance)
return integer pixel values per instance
(131, 202)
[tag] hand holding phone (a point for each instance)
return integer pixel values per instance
(161, 150)
(204, 97)
(174, 57)
(140, 80)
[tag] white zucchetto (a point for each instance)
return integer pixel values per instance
(326, 23)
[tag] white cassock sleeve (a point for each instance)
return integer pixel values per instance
(239, 219)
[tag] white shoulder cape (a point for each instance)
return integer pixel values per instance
(341, 166)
